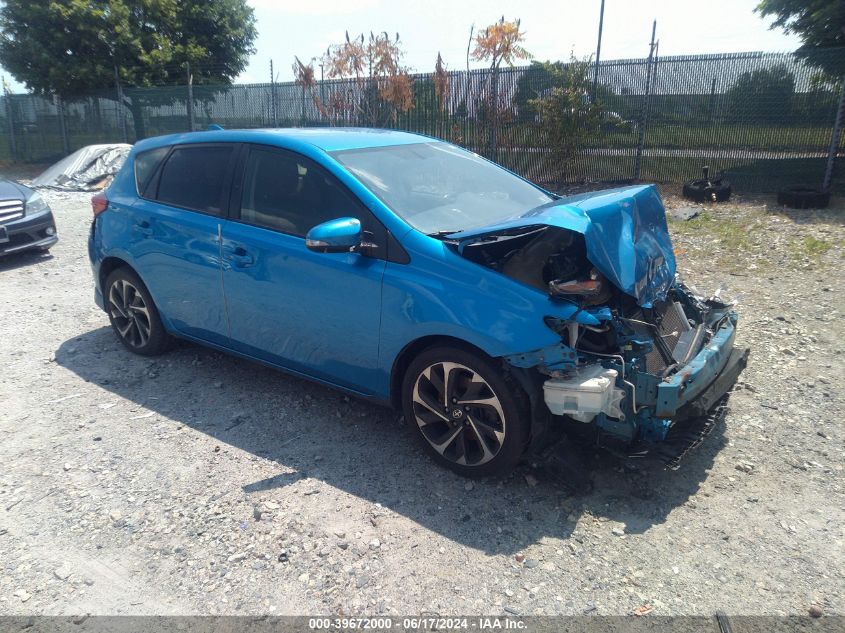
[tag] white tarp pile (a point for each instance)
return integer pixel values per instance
(89, 168)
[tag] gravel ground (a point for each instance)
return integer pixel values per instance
(197, 483)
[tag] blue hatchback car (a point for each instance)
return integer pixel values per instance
(409, 271)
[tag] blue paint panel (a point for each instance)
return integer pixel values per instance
(441, 293)
(177, 255)
(328, 139)
(315, 313)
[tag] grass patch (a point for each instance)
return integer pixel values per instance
(815, 247)
(735, 244)
(749, 241)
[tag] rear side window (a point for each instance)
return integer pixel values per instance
(195, 178)
(145, 166)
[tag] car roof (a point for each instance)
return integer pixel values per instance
(328, 139)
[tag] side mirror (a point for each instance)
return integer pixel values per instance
(335, 236)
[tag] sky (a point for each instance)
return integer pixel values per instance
(553, 28)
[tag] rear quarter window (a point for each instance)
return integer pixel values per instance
(145, 166)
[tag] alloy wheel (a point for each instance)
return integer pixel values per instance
(458, 413)
(129, 313)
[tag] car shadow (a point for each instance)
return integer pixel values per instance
(24, 258)
(314, 432)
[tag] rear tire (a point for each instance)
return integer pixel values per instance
(133, 314)
(803, 198)
(469, 415)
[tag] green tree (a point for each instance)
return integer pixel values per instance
(69, 47)
(763, 95)
(819, 23)
(535, 81)
(568, 117)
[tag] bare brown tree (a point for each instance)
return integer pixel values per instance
(379, 87)
(499, 43)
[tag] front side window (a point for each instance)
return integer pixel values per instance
(437, 187)
(290, 193)
(195, 178)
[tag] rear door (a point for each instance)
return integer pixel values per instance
(176, 237)
(315, 313)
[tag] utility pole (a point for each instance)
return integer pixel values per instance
(121, 112)
(190, 97)
(273, 96)
(10, 114)
(598, 53)
(834, 139)
(60, 111)
(322, 94)
(644, 116)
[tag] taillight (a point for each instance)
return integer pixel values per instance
(99, 203)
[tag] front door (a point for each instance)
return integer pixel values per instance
(314, 313)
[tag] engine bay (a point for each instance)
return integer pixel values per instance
(607, 376)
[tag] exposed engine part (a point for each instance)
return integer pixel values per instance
(554, 254)
(534, 256)
(673, 323)
(593, 290)
(667, 324)
(584, 393)
(689, 344)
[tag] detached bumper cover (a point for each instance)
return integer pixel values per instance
(695, 388)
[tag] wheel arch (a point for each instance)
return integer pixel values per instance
(108, 266)
(529, 381)
(416, 347)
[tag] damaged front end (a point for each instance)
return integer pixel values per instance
(642, 353)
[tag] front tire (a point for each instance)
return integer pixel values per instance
(133, 314)
(470, 416)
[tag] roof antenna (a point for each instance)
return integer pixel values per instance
(214, 127)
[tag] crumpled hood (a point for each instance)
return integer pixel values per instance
(624, 230)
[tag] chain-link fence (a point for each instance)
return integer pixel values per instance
(765, 119)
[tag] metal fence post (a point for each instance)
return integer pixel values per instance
(13, 143)
(120, 112)
(834, 139)
(190, 103)
(273, 96)
(60, 110)
(638, 163)
(494, 115)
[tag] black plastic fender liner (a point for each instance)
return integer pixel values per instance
(531, 382)
(803, 198)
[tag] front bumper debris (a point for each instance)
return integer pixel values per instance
(687, 385)
(672, 366)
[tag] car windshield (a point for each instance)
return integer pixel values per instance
(438, 188)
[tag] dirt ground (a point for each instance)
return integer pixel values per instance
(198, 483)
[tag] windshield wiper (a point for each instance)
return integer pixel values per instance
(439, 234)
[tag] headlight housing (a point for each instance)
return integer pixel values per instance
(35, 205)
